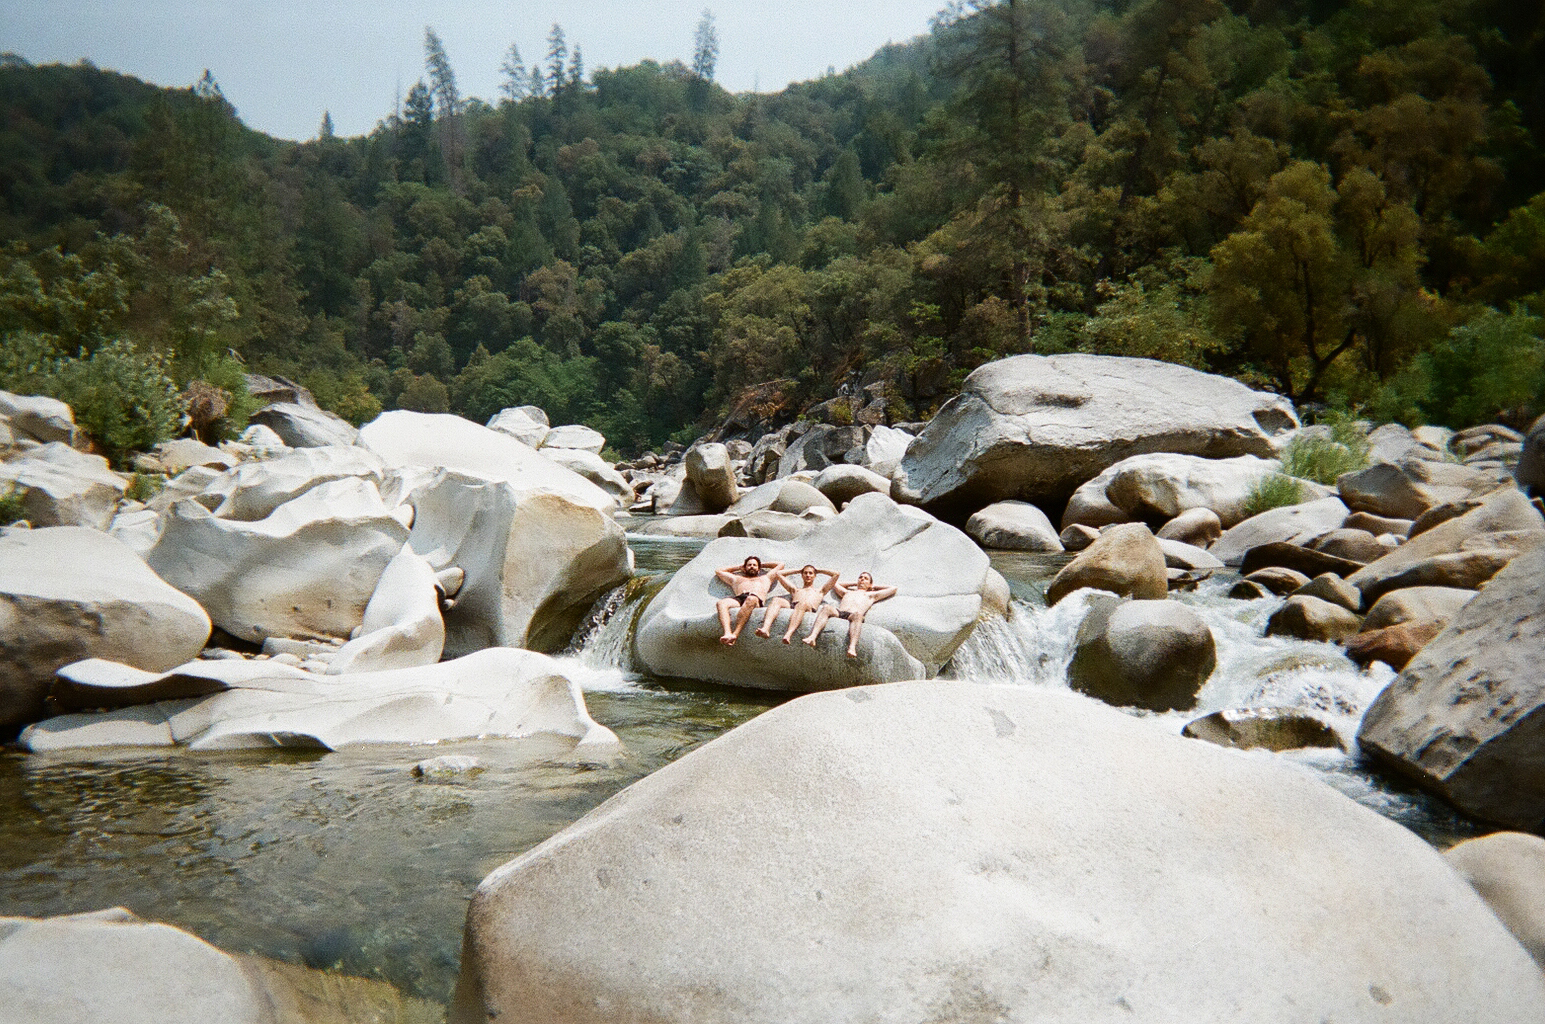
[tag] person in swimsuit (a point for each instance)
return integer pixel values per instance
(749, 583)
(854, 602)
(805, 597)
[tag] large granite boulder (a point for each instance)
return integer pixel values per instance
(1035, 427)
(1530, 471)
(821, 446)
(906, 637)
(229, 705)
(305, 426)
(1291, 524)
(1414, 604)
(1013, 526)
(441, 441)
(68, 593)
(953, 851)
(1508, 870)
(576, 436)
(534, 561)
(60, 486)
(711, 479)
(843, 483)
(527, 424)
(794, 497)
(1464, 720)
(1500, 511)
(1145, 654)
(593, 468)
(306, 570)
(1303, 617)
(401, 627)
(38, 418)
(1159, 487)
(253, 490)
(1125, 560)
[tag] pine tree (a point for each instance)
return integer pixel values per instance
(576, 70)
(326, 131)
(516, 81)
(557, 56)
(442, 80)
(705, 48)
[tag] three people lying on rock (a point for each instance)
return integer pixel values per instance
(751, 583)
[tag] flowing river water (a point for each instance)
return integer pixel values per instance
(344, 861)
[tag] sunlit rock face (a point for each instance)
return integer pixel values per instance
(1036, 427)
(228, 705)
(941, 576)
(962, 851)
(60, 486)
(69, 593)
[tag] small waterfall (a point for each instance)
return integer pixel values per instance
(601, 652)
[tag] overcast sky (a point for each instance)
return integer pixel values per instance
(283, 63)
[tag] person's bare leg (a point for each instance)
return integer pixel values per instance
(820, 624)
(796, 617)
(740, 623)
(774, 606)
(854, 625)
(726, 604)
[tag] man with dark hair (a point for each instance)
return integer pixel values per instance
(749, 585)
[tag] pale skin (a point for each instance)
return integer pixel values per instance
(854, 602)
(750, 580)
(804, 596)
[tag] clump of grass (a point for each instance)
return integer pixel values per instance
(1323, 459)
(1273, 491)
(11, 507)
(144, 486)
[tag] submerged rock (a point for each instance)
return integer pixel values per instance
(966, 852)
(1310, 618)
(1263, 729)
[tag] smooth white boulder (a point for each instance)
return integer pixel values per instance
(794, 497)
(441, 441)
(1164, 485)
(186, 452)
(843, 483)
(253, 490)
(305, 426)
(576, 436)
(1013, 526)
(1291, 524)
(401, 627)
(907, 636)
(307, 570)
(710, 482)
(1508, 870)
(1035, 427)
(533, 562)
(60, 486)
(593, 468)
(138, 528)
(68, 593)
(954, 851)
(525, 423)
(38, 417)
(501, 692)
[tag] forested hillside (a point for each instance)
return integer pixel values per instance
(1343, 202)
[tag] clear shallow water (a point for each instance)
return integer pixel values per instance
(344, 861)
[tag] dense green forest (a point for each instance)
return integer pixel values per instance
(1343, 202)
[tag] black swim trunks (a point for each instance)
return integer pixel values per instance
(845, 615)
(743, 598)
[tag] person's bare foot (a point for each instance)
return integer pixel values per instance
(852, 653)
(786, 640)
(765, 636)
(808, 641)
(727, 640)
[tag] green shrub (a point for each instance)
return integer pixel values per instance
(1488, 368)
(144, 486)
(1273, 491)
(1323, 459)
(122, 397)
(11, 507)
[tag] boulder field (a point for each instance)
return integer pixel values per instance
(945, 585)
(967, 852)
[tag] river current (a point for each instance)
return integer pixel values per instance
(345, 861)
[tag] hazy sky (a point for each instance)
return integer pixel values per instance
(283, 63)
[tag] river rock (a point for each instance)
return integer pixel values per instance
(885, 448)
(1301, 559)
(68, 593)
(794, 497)
(1415, 603)
(1353, 545)
(1383, 490)
(177, 455)
(1263, 729)
(1292, 524)
(1508, 870)
(1159, 487)
(593, 468)
(906, 637)
(686, 527)
(841, 484)
(1499, 511)
(1125, 560)
(967, 852)
(441, 441)
(1276, 579)
(500, 692)
(1394, 645)
(1146, 654)
(1186, 556)
(401, 627)
(111, 966)
(1461, 570)
(262, 439)
(525, 423)
(60, 486)
(253, 490)
(533, 561)
(1330, 587)
(710, 485)
(306, 570)
(1530, 471)
(138, 528)
(1077, 537)
(768, 525)
(576, 436)
(1090, 505)
(1377, 525)
(1309, 618)
(1013, 526)
(1035, 427)
(821, 446)
(38, 417)
(305, 426)
(1195, 526)
(1462, 719)
(1395, 443)
(448, 769)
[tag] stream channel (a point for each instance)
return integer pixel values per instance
(344, 861)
